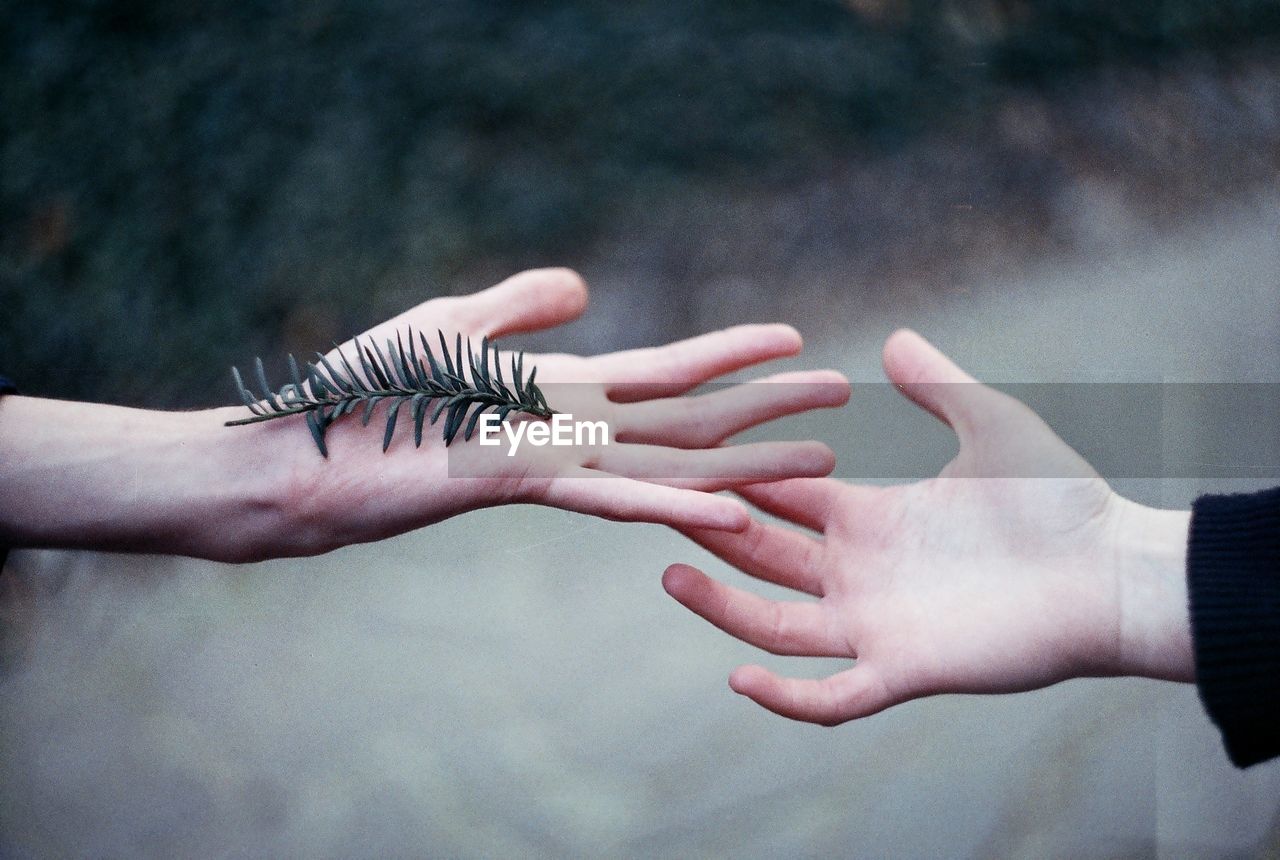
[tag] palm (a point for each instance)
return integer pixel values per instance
(956, 580)
(961, 583)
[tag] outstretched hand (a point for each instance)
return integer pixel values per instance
(664, 462)
(1017, 567)
(95, 476)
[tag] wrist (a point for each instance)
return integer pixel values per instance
(1154, 628)
(261, 491)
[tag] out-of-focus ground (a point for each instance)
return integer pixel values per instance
(1106, 217)
(544, 696)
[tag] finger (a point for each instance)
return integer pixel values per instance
(715, 469)
(932, 381)
(845, 696)
(709, 419)
(768, 552)
(628, 500)
(529, 301)
(808, 502)
(665, 371)
(791, 629)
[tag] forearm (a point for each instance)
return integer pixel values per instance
(93, 476)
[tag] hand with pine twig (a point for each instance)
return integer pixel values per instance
(378, 437)
(1017, 567)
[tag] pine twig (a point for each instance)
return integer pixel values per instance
(403, 379)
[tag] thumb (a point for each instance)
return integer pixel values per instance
(1008, 438)
(932, 381)
(529, 301)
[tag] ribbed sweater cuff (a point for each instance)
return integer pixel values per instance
(1233, 578)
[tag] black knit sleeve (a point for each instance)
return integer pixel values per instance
(1233, 577)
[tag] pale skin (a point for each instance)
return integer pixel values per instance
(93, 476)
(1017, 567)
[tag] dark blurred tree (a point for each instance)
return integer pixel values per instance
(185, 184)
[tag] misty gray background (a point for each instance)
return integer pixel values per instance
(1110, 217)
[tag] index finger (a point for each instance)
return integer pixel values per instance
(665, 371)
(804, 501)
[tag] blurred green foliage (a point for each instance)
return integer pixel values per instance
(185, 184)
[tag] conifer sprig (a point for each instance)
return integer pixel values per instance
(405, 380)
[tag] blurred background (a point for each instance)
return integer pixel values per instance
(1059, 190)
